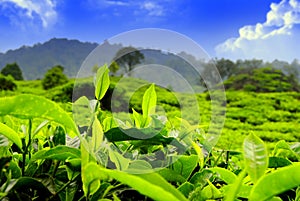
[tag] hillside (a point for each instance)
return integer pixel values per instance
(37, 59)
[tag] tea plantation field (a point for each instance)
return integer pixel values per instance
(139, 141)
(271, 116)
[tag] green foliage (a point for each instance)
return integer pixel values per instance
(101, 82)
(54, 77)
(10, 134)
(276, 182)
(128, 57)
(256, 157)
(114, 67)
(62, 93)
(14, 70)
(265, 79)
(226, 67)
(30, 106)
(152, 185)
(39, 161)
(7, 83)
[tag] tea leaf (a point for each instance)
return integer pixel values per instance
(97, 135)
(185, 165)
(149, 102)
(10, 134)
(224, 174)
(276, 182)
(27, 106)
(60, 152)
(92, 175)
(186, 188)
(120, 161)
(101, 82)
(151, 185)
(256, 157)
(235, 187)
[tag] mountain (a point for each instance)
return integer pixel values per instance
(37, 59)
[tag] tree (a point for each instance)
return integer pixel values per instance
(114, 67)
(14, 70)
(7, 83)
(226, 68)
(54, 77)
(246, 66)
(128, 57)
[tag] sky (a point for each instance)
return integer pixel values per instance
(233, 29)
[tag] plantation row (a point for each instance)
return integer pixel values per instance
(48, 155)
(271, 116)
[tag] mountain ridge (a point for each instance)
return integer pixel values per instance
(35, 60)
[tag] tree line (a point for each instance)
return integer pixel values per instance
(236, 74)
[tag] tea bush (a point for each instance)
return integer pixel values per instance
(45, 157)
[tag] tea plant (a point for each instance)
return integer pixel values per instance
(46, 155)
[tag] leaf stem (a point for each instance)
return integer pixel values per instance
(27, 147)
(62, 188)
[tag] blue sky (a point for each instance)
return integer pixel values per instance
(263, 29)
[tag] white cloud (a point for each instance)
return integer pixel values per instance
(42, 9)
(152, 8)
(149, 8)
(273, 39)
(107, 3)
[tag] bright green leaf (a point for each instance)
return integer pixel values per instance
(243, 190)
(200, 178)
(92, 175)
(149, 101)
(27, 106)
(235, 187)
(120, 161)
(97, 134)
(82, 111)
(210, 192)
(137, 118)
(256, 157)
(151, 185)
(139, 167)
(101, 82)
(277, 182)
(185, 165)
(60, 152)
(224, 174)
(108, 123)
(10, 134)
(199, 153)
(186, 188)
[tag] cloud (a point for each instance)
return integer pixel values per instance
(107, 3)
(273, 39)
(44, 10)
(152, 8)
(148, 8)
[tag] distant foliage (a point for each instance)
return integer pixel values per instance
(265, 79)
(114, 67)
(54, 77)
(7, 83)
(14, 70)
(63, 94)
(128, 57)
